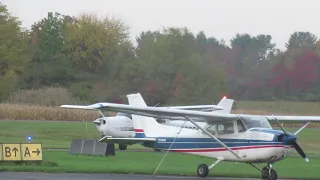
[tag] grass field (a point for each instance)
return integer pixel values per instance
(174, 164)
(57, 134)
(52, 134)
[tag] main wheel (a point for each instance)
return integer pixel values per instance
(122, 146)
(273, 175)
(202, 170)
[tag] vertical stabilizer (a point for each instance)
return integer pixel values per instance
(226, 104)
(142, 124)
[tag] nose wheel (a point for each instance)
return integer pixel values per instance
(269, 173)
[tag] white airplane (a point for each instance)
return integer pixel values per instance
(242, 138)
(121, 125)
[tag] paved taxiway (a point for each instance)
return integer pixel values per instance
(87, 176)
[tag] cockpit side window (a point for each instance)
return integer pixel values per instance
(240, 126)
(225, 128)
(211, 128)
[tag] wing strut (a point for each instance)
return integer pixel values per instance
(169, 147)
(209, 134)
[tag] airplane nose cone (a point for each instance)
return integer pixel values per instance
(289, 140)
(97, 122)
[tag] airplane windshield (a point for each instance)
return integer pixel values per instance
(124, 114)
(256, 122)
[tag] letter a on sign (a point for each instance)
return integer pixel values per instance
(31, 152)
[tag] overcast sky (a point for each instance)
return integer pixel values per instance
(219, 18)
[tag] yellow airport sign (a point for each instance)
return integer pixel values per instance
(31, 152)
(21, 152)
(11, 152)
(1, 156)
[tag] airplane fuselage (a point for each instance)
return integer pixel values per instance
(257, 145)
(122, 126)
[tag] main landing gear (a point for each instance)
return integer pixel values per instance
(203, 169)
(267, 172)
(122, 146)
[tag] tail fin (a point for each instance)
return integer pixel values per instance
(226, 104)
(141, 124)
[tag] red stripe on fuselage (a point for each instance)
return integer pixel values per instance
(224, 149)
(138, 130)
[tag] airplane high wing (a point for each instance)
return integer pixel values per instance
(157, 112)
(160, 112)
(194, 107)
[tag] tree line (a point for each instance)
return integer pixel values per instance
(94, 58)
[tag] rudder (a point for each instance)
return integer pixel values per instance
(226, 104)
(142, 124)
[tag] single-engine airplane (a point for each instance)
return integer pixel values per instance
(226, 137)
(121, 125)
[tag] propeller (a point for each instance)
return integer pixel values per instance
(300, 151)
(292, 139)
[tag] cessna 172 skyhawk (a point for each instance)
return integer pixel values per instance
(227, 137)
(121, 125)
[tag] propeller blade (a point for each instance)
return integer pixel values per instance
(300, 151)
(282, 128)
(299, 130)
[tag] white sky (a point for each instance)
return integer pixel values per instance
(221, 19)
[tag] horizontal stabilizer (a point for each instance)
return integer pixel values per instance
(89, 107)
(126, 140)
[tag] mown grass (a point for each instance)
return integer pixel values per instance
(52, 134)
(55, 134)
(174, 164)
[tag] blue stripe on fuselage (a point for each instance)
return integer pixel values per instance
(192, 143)
(140, 135)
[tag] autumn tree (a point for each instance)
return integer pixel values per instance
(172, 68)
(14, 51)
(92, 40)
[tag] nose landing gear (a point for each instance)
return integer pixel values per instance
(269, 173)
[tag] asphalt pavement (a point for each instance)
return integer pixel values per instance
(94, 176)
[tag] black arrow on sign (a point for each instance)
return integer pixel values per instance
(15, 150)
(37, 151)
